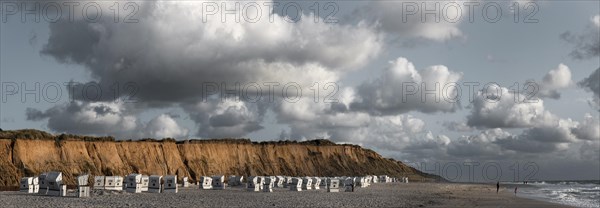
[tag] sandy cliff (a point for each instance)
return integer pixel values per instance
(30, 152)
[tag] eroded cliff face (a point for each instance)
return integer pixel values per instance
(25, 155)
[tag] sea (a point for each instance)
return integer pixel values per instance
(578, 193)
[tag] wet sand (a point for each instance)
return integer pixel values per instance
(376, 195)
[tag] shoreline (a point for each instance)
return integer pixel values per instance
(486, 196)
(376, 195)
(509, 188)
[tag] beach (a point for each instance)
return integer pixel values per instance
(376, 195)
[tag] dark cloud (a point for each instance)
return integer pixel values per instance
(457, 126)
(72, 42)
(592, 83)
(32, 38)
(526, 146)
(162, 64)
(105, 118)
(549, 134)
(171, 63)
(231, 118)
(586, 45)
(33, 114)
(87, 118)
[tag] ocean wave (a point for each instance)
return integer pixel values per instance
(572, 193)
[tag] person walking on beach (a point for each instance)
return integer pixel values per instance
(497, 187)
(516, 190)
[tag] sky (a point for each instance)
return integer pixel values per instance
(470, 90)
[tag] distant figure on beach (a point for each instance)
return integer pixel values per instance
(516, 190)
(497, 187)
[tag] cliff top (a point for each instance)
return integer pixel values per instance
(34, 134)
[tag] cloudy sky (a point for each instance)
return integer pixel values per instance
(509, 89)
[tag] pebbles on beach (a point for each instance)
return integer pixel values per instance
(376, 195)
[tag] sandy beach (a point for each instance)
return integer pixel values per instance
(377, 195)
